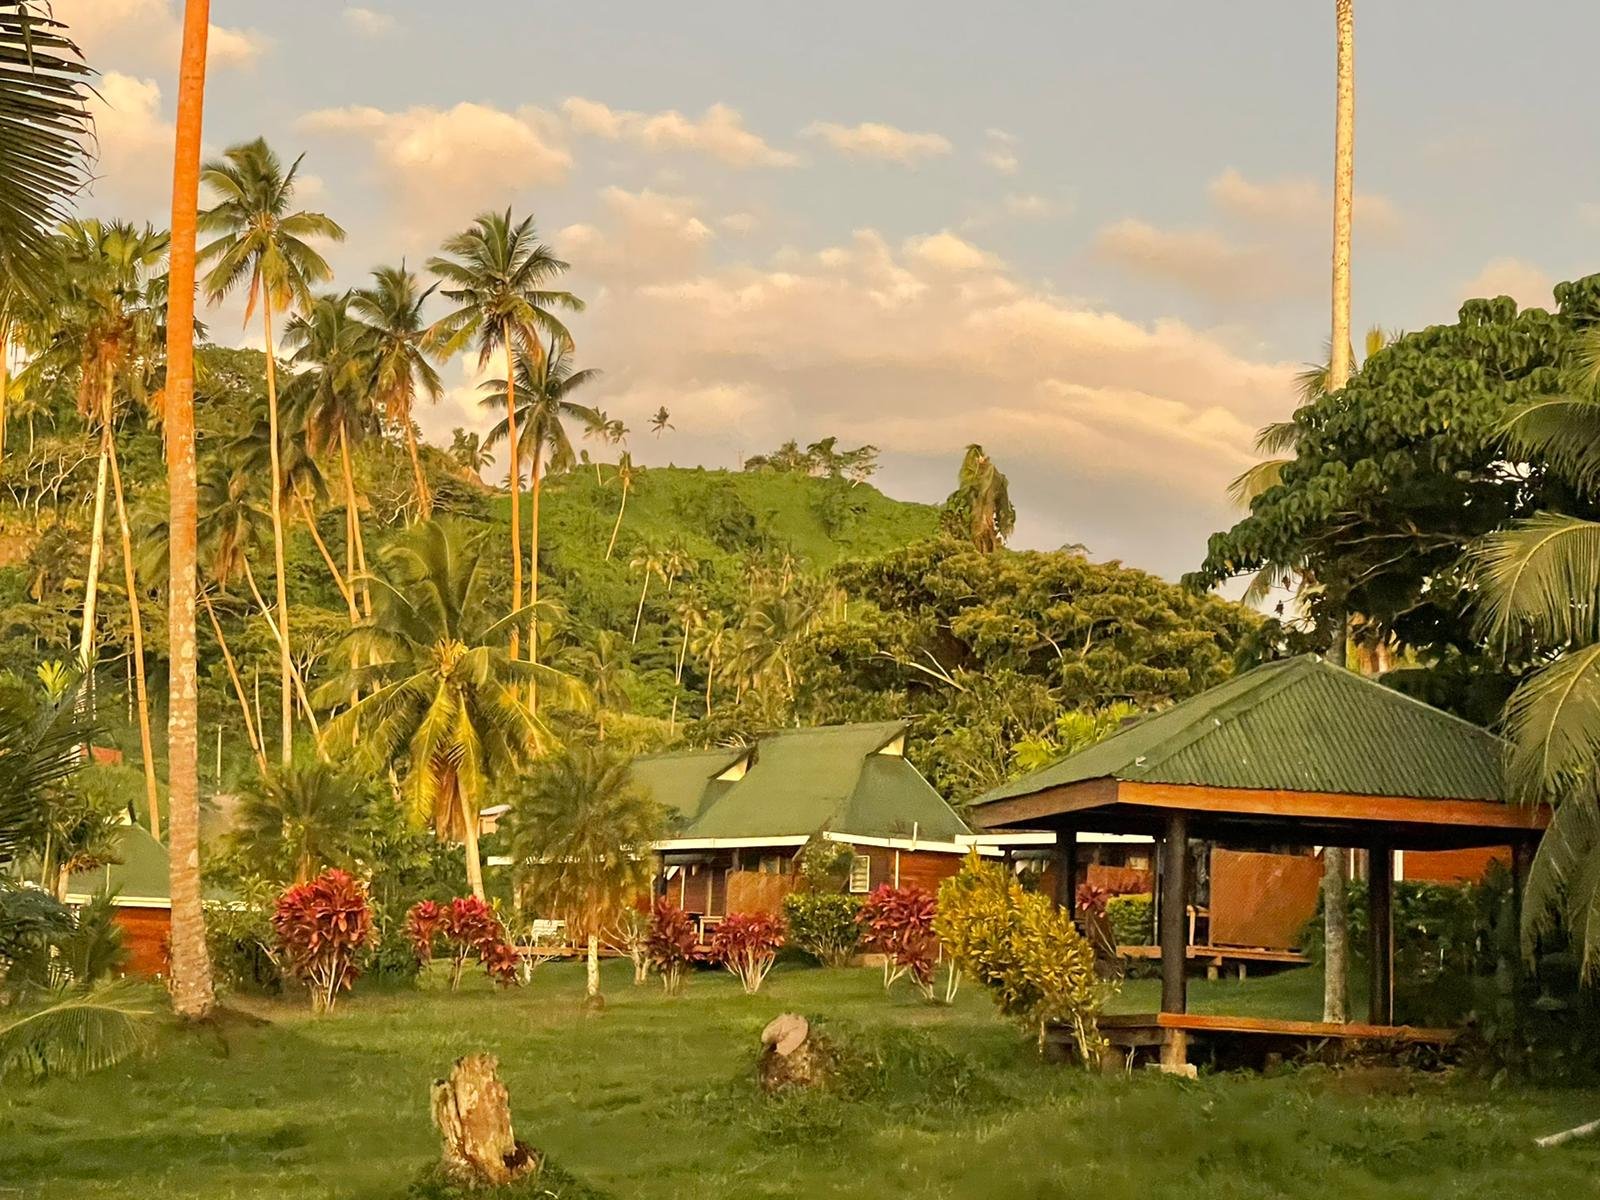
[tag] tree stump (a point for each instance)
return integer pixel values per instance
(472, 1111)
(791, 1055)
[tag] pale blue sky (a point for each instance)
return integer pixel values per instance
(1093, 238)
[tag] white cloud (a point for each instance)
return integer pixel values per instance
(1296, 200)
(646, 235)
(739, 224)
(1031, 205)
(1514, 277)
(368, 22)
(947, 252)
(146, 35)
(1000, 151)
(439, 166)
(718, 133)
(1200, 260)
(871, 139)
(134, 169)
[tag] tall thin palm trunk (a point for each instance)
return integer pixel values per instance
(192, 994)
(250, 729)
(97, 537)
(516, 497)
(591, 982)
(285, 657)
(356, 545)
(533, 576)
(130, 579)
(5, 381)
(621, 508)
(424, 496)
(294, 681)
(327, 558)
(469, 825)
(639, 616)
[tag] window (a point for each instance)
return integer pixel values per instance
(860, 873)
(773, 864)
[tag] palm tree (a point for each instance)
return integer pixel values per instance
(711, 641)
(604, 665)
(627, 475)
(693, 612)
(394, 342)
(1335, 994)
(262, 244)
(661, 421)
(496, 273)
(192, 993)
(980, 508)
(441, 696)
(469, 453)
(649, 562)
(333, 402)
(106, 325)
(47, 132)
(300, 818)
(597, 425)
(544, 384)
(581, 833)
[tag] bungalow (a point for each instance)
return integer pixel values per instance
(142, 897)
(739, 817)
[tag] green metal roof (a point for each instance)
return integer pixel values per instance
(835, 779)
(1301, 724)
(140, 876)
(686, 781)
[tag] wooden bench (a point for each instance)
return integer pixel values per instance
(1131, 1035)
(1218, 957)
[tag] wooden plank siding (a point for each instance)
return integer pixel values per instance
(1262, 900)
(147, 934)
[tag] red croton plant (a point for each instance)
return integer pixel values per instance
(468, 928)
(898, 924)
(321, 925)
(747, 944)
(670, 944)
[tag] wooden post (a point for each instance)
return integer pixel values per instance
(1380, 944)
(1067, 869)
(1174, 924)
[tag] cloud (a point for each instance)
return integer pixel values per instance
(884, 142)
(719, 133)
(1031, 205)
(368, 22)
(1296, 200)
(646, 234)
(147, 34)
(134, 169)
(1199, 260)
(739, 224)
(439, 166)
(1000, 151)
(945, 251)
(1522, 281)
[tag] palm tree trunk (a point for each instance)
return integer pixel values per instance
(469, 825)
(533, 577)
(5, 381)
(356, 544)
(591, 986)
(333, 567)
(295, 681)
(97, 537)
(238, 687)
(639, 616)
(285, 657)
(711, 673)
(516, 497)
(1336, 930)
(136, 619)
(192, 994)
(424, 496)
(621, 508)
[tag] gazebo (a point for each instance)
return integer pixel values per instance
(1296, 752)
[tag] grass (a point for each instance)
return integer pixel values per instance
(653, 1099)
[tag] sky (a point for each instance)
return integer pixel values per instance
(1093, 238)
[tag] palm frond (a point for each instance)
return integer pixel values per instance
(1553, 723)
(1253, 481)
(1562, 889)
(1562, 432)
(1540, 575)
(78, 1032)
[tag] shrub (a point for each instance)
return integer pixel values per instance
(1023, 950)
(823, 924)
(823, 865)
(898, 923)
(747, 944)
(630, 934)
(1132, 919)
(670, 944)
(390, 957)
(469, 927)
(321, 925)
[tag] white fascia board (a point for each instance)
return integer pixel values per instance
(854, 839)
(78, 898)
(670, 844)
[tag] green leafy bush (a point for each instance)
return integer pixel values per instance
(1026, 952)
(1132, 919)
(823, 924)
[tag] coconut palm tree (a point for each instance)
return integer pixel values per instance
(648, 561)
(191, 989)
(469, 453)
(300, 819)
(603, 664)
(980, 508)
(497, 274)
(394, 343)
(711, 642)
(693, 611)
(441, 697)
(661, 421)
(580, 833)
(626, 477)
(545, 383)
(265, 246)
(48, 135)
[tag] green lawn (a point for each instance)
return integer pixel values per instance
(652, 1099)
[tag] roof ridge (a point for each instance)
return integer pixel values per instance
(1433, 709)
(1274, 677)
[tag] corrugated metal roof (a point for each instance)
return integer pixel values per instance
(685, 782)
(805, 781)
(1302, 724)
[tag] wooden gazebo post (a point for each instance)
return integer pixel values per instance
(1174, 915)
(1380, 933)
(1067, 869)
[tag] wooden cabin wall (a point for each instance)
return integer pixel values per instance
(1262, 900)
(147, 934)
